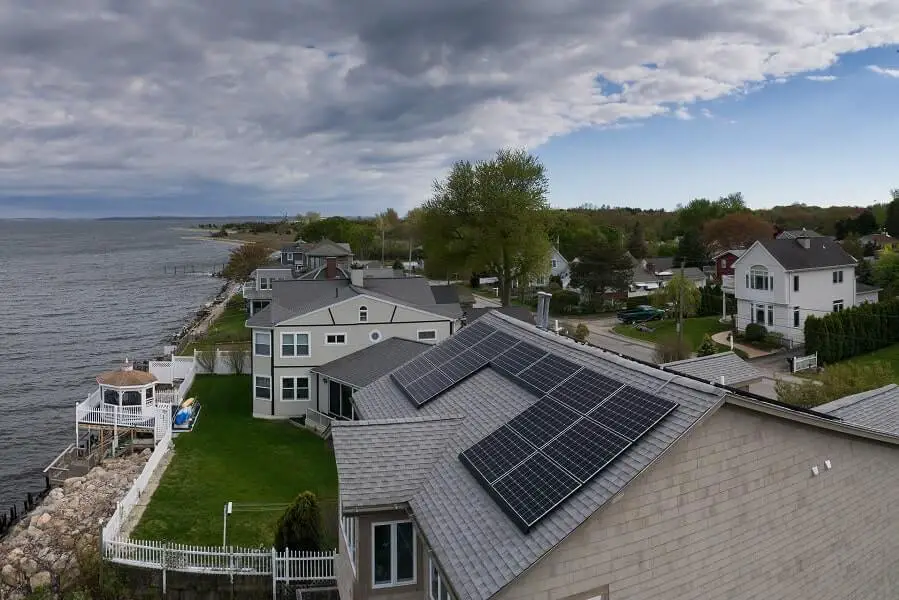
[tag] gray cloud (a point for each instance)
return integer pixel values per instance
(359, 105)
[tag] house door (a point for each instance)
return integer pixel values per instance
(760, 315)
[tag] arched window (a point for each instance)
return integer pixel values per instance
(758, 279)
(363, 314)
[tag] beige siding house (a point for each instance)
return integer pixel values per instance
(726, 497)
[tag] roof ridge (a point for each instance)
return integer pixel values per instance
(397, 421)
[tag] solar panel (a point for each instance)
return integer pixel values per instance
(463, 365)
(585, 390)
(548, 372)
(494, 345)
(412, 370)
(472, 334)
(445, 352)
(497, 453)
(543, 421)
(631, 412)
(424, 388)
(585, 449)
(518, 357)
(532, 489)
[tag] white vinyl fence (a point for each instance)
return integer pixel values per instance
(800, 363)
(223, 362)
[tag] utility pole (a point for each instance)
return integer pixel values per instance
(680, 307)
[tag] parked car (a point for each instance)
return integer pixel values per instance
(641, 313)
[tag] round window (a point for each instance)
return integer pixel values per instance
(374, 336)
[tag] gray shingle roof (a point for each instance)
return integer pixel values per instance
(383, 462)
(792, 234)
(875, 409)
(735, 370)
(328, 248)
(864, 288)
(522, 313)
(445, 294)
(362, 367)
(822, 253)
(479, 548)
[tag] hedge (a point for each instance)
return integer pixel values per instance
(857, 330)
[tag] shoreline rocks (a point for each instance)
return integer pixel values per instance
(44, 546)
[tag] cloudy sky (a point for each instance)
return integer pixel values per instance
(351, 106)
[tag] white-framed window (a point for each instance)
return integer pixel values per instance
(758, 279)
(263, 387)
(375, 335)
(554, 263)
(363, 314)
(295, 344)
(335, 339)
(838, 277)
(437, 586)
(294, 388)
(795, 316)
(262, 343)
(393, 554)
(837, 305)
(427, 335)
(265, 283)
(759, 314)
(290, 257)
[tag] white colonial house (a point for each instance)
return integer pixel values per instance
(559, 266)
(313, 323)
(780, 282)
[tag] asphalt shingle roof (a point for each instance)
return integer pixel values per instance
(875, 409)
(522, 313)
(792, 234)
(445, 294)
(735, 370)
(821, 253)
(362, 367)
(479, 548)
(864, 288)
(328, 248)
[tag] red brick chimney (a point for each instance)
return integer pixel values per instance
(331, 267)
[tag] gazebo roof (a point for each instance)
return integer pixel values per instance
(123, 378)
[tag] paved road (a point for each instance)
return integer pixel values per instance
(601, 335)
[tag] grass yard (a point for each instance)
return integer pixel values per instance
(227, 331)
(694, 330)
(888, 356)
(230, 456)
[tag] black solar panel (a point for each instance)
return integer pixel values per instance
(543, 421)
(494, 345)
(497, 453)
(632, 412)
(585, 449)
(548, 372)
(472, 334)
(533, 489)
(445, 352)
(584, 390)
(412, 371)
(423, 389)
(463, 365)
(518, 357)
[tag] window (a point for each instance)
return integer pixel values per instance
(263, 387)
(335, 339)
(795, 283)
(290, 257)
(795, 316)
(427, 335)
(770, 315)
(760, 314)
(149, 393)
(131, 398)
(837, 305)
(723, 263)
(363, 314)
(838, 277)
(438, 589)
(294, 388)
(340, 401)
(758, 279)
(265, 283)
(393, 553)
(374, 335)
(295, 344)
(262, 343)
(554, 263)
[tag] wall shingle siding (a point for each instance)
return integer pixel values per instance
(733, 512)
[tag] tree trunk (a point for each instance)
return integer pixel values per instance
(505, 280)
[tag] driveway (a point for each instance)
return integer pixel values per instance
(601, 335)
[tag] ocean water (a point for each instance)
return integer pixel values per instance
(76, 298)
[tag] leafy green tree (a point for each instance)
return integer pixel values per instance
(886, 272)
(244, 260)
(490, 216)
(600, 269)
(691, 250)
(891, 224)
(300, 527)
(864, 272)
(676, 291)
(636, 243)
(852, 246)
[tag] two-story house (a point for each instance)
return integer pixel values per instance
(724, 262)
(312, 322)
(559, 266)
(537, 468)
(305, 255)
(780, 282)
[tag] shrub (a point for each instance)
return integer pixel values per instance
(205, 360)
(235, 302)
(235, 361)
(581, 332)
(835, 382)
(300, 527)
(670, 349)
(755, 332)
(707, 348)
(397, 265)
(564, 302)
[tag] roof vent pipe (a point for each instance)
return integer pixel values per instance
(543, 310)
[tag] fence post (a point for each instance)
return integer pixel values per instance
(274, 575)
(165, 560)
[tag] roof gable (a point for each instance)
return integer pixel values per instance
(822, 253)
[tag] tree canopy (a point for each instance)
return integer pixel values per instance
(245, 259)
(601, 268)
(300, 527)
(735, 230)
(678, 290)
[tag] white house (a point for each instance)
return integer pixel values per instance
(653, 273)
(559, 266)
(311, 323)
(780, 282)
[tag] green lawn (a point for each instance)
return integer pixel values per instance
(888, 355)
(694, 330)
(227, 330)
(230, 456)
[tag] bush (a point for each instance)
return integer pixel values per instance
(205, 360)
(707, 348)
(300, 527)
(581, 332)
(235, 303)
(670, 349)
(835, 382)
(755, 332)
(397, 265)
(564, 302)
(857, 330)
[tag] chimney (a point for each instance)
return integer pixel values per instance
(331, 267)
(357, 276)
(804, 242)
(542, 319)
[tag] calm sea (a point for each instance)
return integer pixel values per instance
(76, 298)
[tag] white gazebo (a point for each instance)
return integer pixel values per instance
(128, 389)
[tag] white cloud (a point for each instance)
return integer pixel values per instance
(352, 106)
(682, 113)
(884, 71)
(706, 113)
(821, 78)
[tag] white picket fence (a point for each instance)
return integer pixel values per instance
(185, 367)
(800, 363)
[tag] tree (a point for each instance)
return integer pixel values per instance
(669, 349)
(707, 348)
(244, 260)
(886, 272)
(490, 216)
(891, 224)
(300, 527)
(736, 230)
(691, 251)
(636, 243)
(852, 246)
(601, 268)
(676, 291)
(864, 273)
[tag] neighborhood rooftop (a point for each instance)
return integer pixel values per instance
(364, 366)
(821, 253)
(712, 368)
(875, 409)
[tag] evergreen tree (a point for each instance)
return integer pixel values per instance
(636, 243)
(691, 250)
(300, 527)
(707, 348)
(892, 221)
